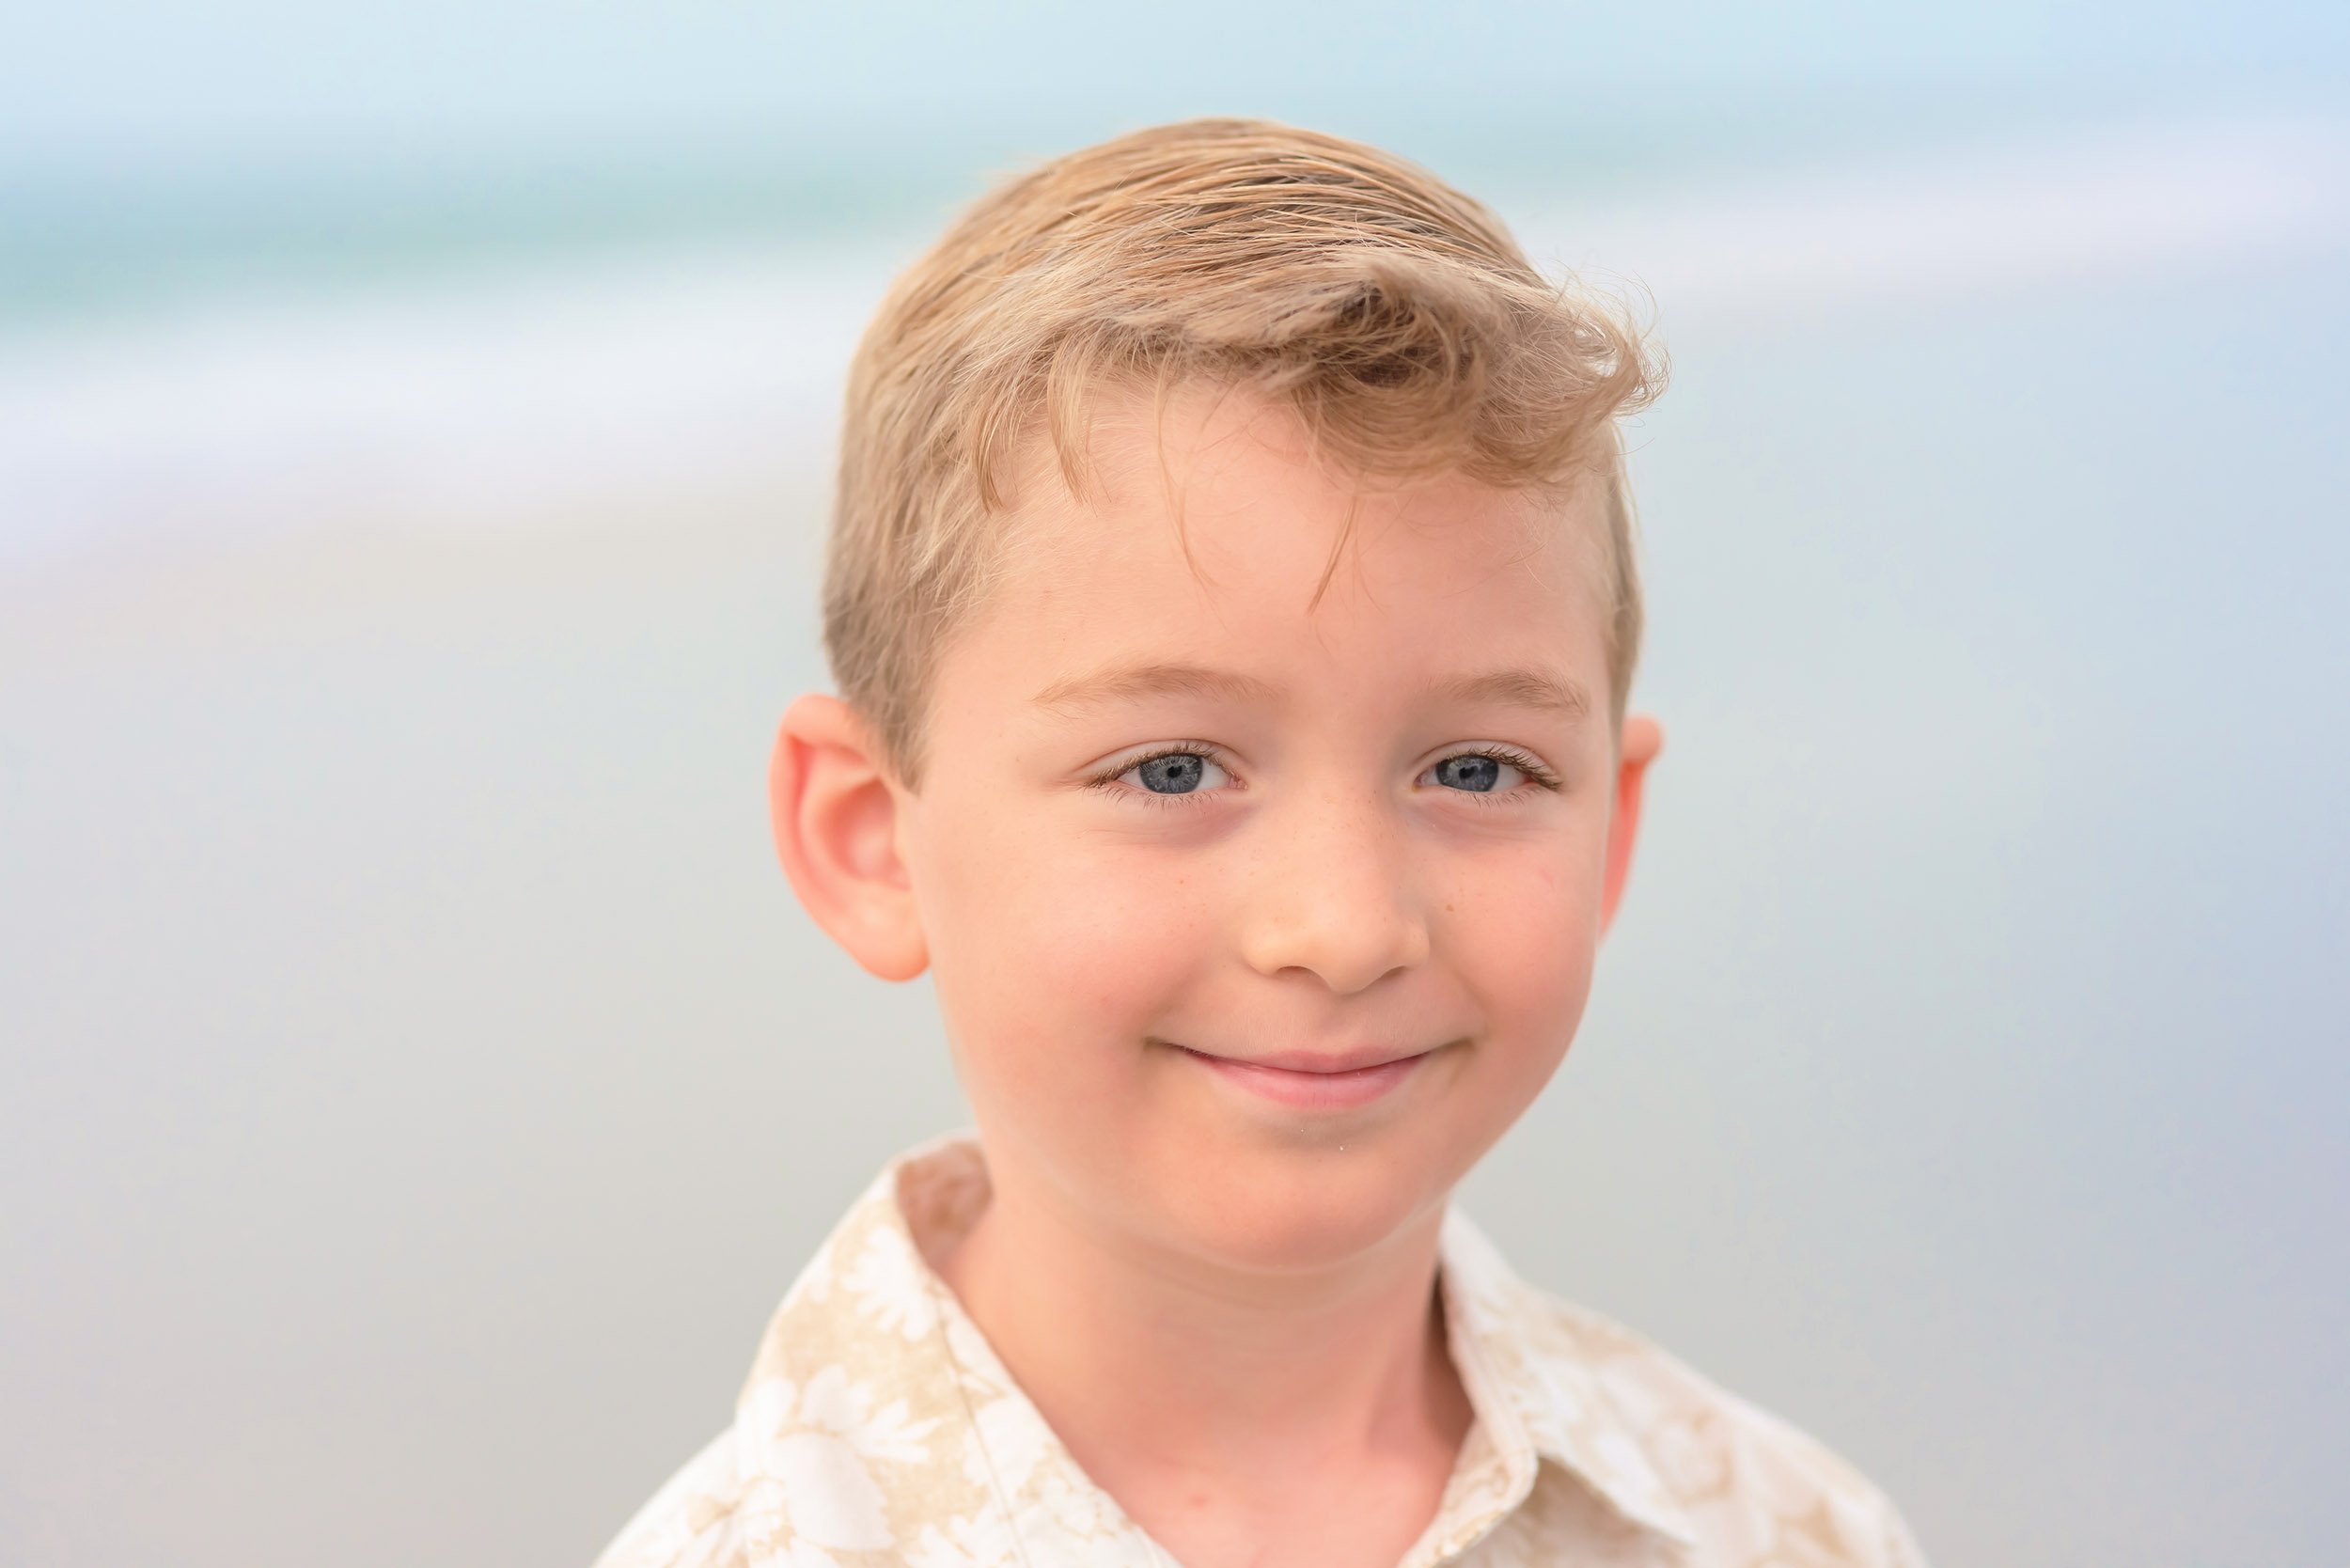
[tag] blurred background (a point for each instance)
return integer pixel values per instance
(414, 427)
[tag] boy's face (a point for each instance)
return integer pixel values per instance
(1393, 827)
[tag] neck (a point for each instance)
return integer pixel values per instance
(1149, 1366)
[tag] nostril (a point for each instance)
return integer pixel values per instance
(1348, 951)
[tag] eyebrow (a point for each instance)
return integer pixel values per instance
(1517, 688)
(1140, 683)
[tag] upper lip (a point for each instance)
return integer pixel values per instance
(1326, 1062)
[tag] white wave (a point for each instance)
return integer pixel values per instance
(456, 405)
(1917, 230)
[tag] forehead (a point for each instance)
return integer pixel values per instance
(1207, 526)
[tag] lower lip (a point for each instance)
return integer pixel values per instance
(1312, 1090)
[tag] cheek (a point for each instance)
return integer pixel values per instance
(1052, 951)
(1522, 930)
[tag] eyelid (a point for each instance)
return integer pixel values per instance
(1537, 772)
(1107, 780)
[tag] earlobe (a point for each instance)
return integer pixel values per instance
(835, 813)
(1642, 739)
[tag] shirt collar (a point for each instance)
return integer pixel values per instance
(1526, 1365)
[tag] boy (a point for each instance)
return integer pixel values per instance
(1232, 602)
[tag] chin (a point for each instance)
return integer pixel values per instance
(1314, 1209)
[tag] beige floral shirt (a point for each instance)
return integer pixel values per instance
(878, 1427)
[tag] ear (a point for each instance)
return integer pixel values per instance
(1642, 739)
(834, 809)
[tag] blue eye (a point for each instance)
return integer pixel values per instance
(1177, 774)
(1470, 771)
(1494, 773)
(1177, 771)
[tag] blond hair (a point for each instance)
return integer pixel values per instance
(1394, 314)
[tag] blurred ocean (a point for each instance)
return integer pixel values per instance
(455, 362)
(422, 1083)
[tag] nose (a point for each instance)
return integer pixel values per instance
(1331, 893)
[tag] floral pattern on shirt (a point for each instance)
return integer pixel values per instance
(878, 1427)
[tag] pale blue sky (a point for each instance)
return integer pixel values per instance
(268, 81)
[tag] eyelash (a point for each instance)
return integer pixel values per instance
(1536, 775)
(1108, 782)
(1526, 762)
